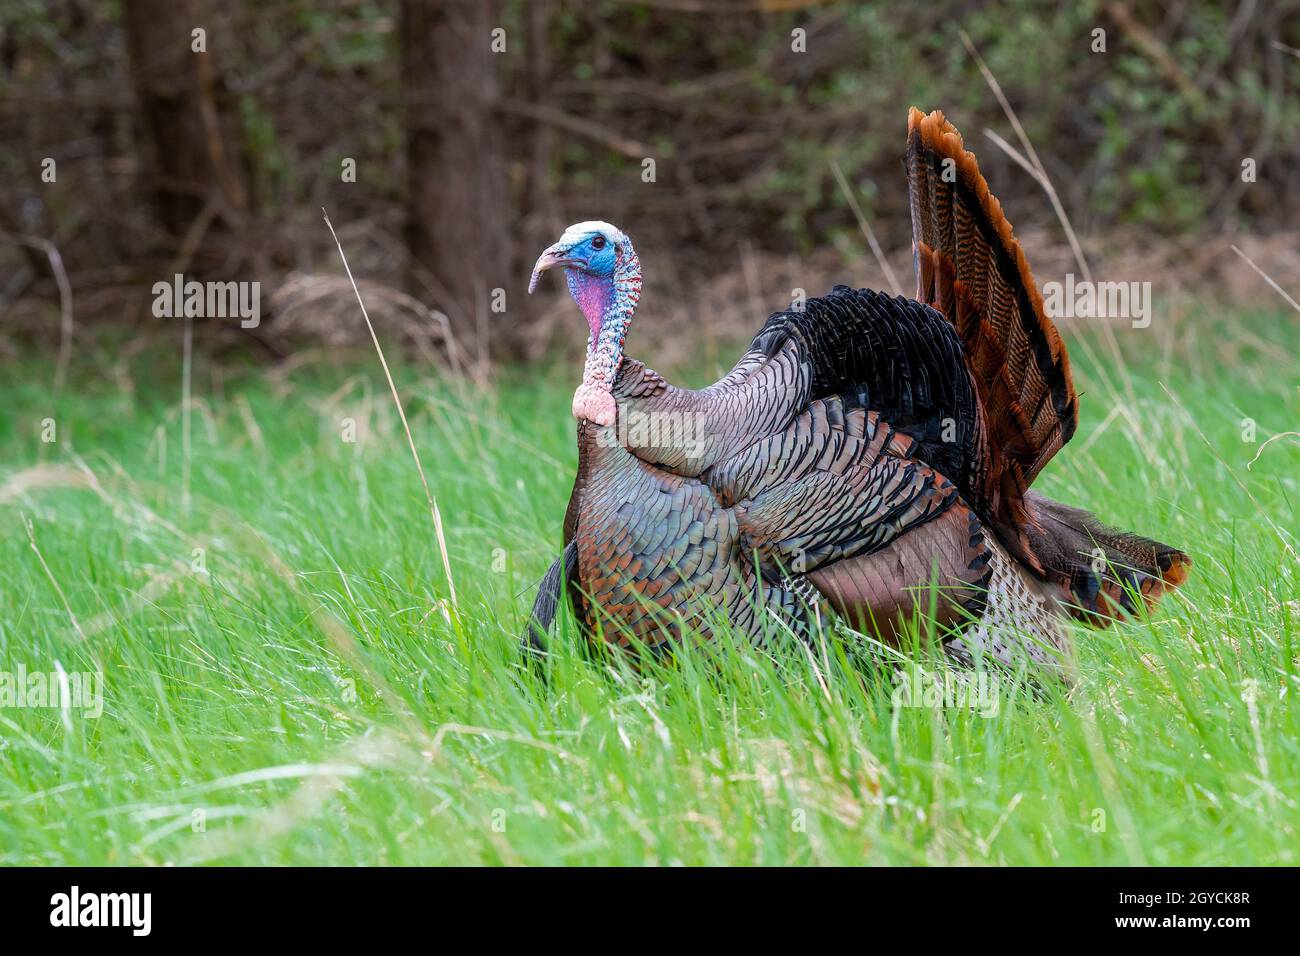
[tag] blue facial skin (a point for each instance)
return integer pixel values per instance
(592, 283)
(597, 262)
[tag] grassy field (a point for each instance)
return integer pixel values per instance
(287, 680)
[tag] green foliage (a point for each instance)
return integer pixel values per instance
(319, 700)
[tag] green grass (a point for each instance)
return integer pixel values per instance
(311, 691)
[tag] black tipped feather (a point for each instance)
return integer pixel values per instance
(1102, 570)
(558, 578)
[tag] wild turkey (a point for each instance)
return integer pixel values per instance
(865, 451)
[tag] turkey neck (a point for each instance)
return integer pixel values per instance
(609, 303)
(605, 349)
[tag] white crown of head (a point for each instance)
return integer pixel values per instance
(580, 230)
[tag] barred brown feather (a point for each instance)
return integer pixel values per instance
(971, 268)
(863, 452)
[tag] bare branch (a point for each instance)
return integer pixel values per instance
(65, 299)
(578, 126)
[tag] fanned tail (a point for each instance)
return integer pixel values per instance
(970, 267)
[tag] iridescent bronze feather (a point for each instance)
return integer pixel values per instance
(867, 456)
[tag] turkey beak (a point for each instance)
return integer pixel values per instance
(552, 257)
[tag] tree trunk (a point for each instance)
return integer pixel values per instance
(188, 161)
(458, 216)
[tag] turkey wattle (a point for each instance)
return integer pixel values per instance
(866, 452)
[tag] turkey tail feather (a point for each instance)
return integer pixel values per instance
(558, 577)
(971, 268)
(1100, 569)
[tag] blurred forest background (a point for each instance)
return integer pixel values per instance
(451, 140)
